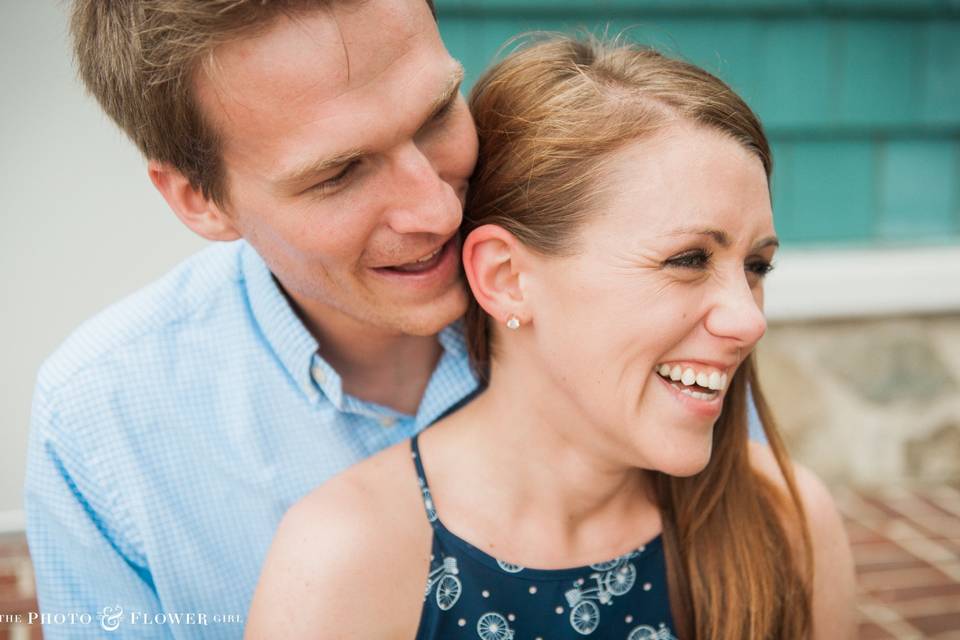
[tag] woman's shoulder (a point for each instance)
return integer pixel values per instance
(347, 553)
(368, 507)
(834, 583)
(383, 485)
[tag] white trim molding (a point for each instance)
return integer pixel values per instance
(12, 522)
(820, 284)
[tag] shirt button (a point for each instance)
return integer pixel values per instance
(318, 374)
(387, 421)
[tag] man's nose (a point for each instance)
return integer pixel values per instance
(418, 200)
(736, 313)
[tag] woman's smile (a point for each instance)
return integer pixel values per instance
(704, 400)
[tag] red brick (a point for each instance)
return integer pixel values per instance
(857, 533)
(880, 505)
(14, 546)
(914, 577)
(18, 605)
(9, 593)
(952, 543)
(900, 594)
(870, 631)
(868, 554)
(901, 564)
(934, 606)
(934, 625)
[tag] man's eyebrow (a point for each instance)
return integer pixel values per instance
(449, 93)
(303, 173)
(720, 237)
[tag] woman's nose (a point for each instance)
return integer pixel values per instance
(737, 313)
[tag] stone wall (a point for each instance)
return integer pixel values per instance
(870, 401)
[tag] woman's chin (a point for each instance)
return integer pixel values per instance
(683, 460)
(685, 468)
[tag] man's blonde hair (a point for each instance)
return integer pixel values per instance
(138, 58)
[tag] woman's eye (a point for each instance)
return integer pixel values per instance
(332, 183)
(699, 259)
(693, 260)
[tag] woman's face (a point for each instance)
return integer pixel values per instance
(668, 277)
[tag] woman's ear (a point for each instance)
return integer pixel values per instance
(493, 262)
(203, 216)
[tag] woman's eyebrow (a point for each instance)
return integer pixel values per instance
(722, 238)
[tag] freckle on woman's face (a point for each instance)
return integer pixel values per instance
(606, 317)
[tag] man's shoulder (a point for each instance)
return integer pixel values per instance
(177, 302)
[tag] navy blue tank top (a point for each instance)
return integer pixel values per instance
(470, 594)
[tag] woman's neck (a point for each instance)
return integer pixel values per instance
(521, 460)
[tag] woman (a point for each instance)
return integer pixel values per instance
(617, 234)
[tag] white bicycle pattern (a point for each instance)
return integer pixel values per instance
(448, 584)
(510, 567)
(493, 626)
(646, 632)
(613, 578)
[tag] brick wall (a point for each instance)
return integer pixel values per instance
(16, 591)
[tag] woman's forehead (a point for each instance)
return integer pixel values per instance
(682, 180)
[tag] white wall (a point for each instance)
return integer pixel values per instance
(81, 224)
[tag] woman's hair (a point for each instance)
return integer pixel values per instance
(549, 117)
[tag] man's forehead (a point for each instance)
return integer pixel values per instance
(310, 56)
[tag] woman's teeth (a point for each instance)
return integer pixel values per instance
(699, 395)
(688, 377)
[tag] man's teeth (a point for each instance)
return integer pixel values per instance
(427, 257)
(419, 264)
(713, 380)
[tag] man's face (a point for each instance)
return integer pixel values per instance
(347, 149)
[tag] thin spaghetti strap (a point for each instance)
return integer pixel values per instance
(422, 479)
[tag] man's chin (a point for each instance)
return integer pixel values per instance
(431, 319)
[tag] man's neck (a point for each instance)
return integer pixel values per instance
(389, 370)
(376, 365)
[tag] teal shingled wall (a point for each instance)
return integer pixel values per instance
(861, 98)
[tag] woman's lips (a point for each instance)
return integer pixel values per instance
(704, 408)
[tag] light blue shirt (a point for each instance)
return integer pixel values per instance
(169, 435)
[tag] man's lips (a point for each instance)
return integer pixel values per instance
(418, 262)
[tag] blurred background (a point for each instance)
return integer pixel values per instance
(861, 364)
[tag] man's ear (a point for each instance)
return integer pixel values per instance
(201, 215)
(493, 262)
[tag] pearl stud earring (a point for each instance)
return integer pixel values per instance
(513, 322)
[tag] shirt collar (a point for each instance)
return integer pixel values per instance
(281, 328)
(296, 347)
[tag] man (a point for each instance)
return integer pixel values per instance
(327, 147)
